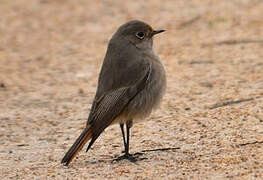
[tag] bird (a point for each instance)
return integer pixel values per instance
(131, 84)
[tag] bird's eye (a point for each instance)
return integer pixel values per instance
(140, 35)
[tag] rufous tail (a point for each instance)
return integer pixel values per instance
(84, 137)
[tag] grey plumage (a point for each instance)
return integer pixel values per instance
(131, 83)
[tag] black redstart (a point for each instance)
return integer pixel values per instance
(131, 84)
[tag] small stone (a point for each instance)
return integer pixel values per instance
(81, 91)
(2, 85)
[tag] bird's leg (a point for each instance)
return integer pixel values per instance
(126, 142)
(127, 155)
(123, 135)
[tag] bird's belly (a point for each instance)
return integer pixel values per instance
(150, 97)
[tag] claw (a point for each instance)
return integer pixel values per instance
(131, 157)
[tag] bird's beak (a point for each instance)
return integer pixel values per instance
(157, 31)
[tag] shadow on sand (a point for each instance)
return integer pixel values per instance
(134, 157)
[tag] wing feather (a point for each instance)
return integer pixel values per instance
(113, 103)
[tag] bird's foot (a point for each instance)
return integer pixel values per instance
(131, 157)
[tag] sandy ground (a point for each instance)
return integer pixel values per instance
(50, 56)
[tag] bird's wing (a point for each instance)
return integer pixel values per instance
(110, 104)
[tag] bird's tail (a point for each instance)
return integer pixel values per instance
(78, 145)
